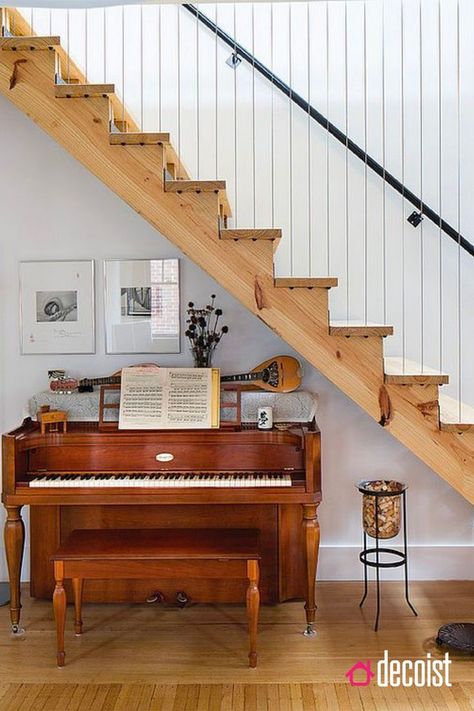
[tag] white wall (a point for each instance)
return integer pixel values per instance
(52, 208)
(396, 76)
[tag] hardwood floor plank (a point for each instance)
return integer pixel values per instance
(354, 698)
(284, 696)
(273, 702)
(320, 698)
(163, 697)
(106, 698)
(226, 697)
(238, 697)
(343, 700)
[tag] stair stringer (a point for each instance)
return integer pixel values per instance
(244, 268)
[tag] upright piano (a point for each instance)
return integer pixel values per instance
(237, 478)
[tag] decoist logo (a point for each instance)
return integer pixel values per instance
(408, 672)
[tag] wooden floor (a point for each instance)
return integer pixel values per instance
(145, 657)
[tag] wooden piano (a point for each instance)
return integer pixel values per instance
(236, 478)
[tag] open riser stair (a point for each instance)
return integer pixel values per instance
(146, 172)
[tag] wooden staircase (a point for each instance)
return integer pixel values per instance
(144, 170)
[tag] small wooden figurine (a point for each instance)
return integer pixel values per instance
(51, 419)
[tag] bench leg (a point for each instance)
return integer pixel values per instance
(59, 606)
(311, 551)
(253, 603)
(77, 586)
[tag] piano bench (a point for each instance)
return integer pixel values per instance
(153, 553)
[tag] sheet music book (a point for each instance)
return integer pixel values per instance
(169, 398)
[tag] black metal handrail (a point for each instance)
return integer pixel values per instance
(422, 207)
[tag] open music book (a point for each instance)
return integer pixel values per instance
(169, 398)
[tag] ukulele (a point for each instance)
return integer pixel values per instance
(281, 374)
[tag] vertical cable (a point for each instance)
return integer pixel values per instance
(50, 23)
(440, 188)
(68, 47)
(85, 44)
(384, 186)
(105, 44)
(197, 91)
(459, 205)
(179, 82)
(216, 52)
(290, 100)
(366, 266)
(308, 49)
(253, 118)
(159, 69)
(328, 249)
(123, 65)
(402, 109)
(272, 122)
(422, 244)
(141, 72)
(346, 181)
(32, 22)
(235, 121)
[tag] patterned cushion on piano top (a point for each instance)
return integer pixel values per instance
(299, 406)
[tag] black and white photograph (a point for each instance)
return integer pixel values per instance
(56, 306)
(136, 301)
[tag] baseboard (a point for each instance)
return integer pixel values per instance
(342, 563)
(424, 563)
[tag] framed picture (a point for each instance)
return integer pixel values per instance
(142, 309)
(57, 307)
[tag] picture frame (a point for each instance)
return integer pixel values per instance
(57, 310)
(142, 306)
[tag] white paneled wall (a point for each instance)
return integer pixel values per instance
(396, 76)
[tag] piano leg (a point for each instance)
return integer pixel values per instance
(14, 546)
(59, 607)
(311, 550)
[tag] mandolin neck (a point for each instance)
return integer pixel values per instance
(112, 380)
(243, 377)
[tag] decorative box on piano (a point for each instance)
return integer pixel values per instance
(237, 478)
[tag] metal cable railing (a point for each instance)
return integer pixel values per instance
(423, 209)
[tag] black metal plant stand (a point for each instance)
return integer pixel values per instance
(399, 558)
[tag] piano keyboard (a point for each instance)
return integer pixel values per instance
(167, 481)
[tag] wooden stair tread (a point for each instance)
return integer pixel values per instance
(310, 283)
(353, 365)
(119, 126)
(359, 328)
(250, 234)
(19, 44)
(138, 139)
(186, 186)
(407, 372)
(80, 91)
(455, 417)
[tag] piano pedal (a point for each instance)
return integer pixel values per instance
(309, 631)
(181, 599)
(156, 596)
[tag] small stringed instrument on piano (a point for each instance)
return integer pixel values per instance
(280, 374)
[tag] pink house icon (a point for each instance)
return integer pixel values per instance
(365, 668)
